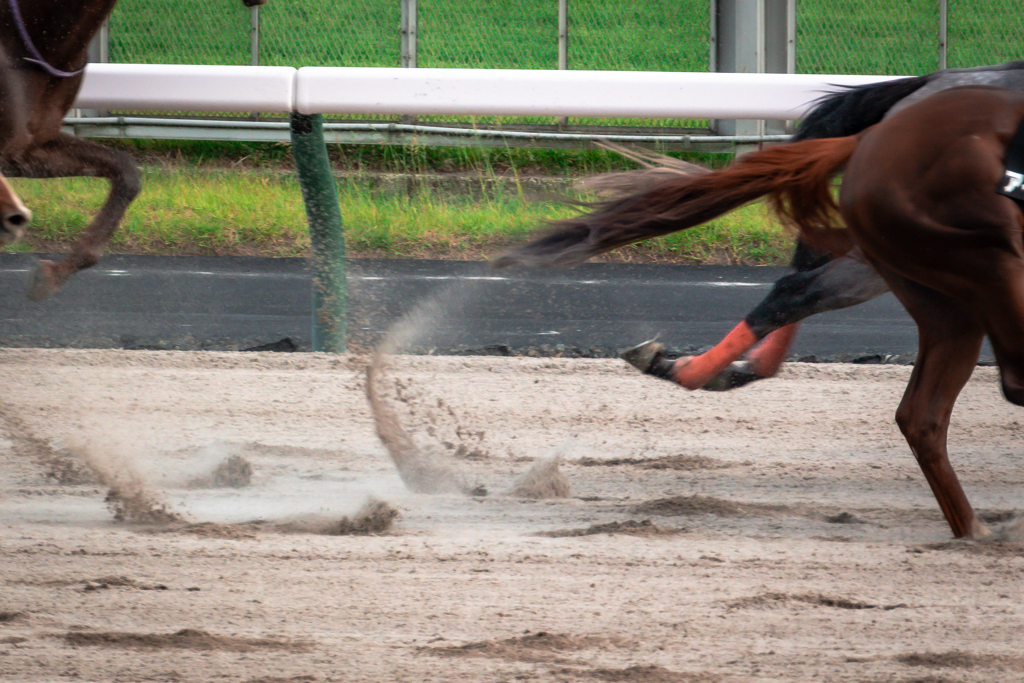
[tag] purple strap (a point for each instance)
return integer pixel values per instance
(36, 58)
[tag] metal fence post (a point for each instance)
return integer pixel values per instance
(943, 33)
(752, 36)
(327, 238)
(563, 47)
(254, 44)
(408, 29)
(99, 52)
(563, 34)
(409, 21)
(254, 36)
(740, 48)
(99, 48)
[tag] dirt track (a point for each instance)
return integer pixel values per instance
(778, 533)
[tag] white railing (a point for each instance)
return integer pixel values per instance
(340, 90)
(166, 87)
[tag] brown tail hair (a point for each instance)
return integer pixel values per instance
(797, 178)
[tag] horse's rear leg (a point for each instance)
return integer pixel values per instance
(950, 339)
(715, 370)
(691, 372)
(1004, 323)
(66, 156)
(837, 284)
(765, 359)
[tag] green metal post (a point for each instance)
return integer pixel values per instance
(326, 235)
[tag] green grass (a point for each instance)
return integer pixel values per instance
(901, 36)
(198, 154)
(217, 208)
(177, 213)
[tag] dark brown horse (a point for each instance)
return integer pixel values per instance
(919, 201)
(44, 45)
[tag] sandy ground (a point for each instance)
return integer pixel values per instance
(777, 533)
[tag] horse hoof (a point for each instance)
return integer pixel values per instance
(42, 282)
(649, 358)
(733, 377)
(643, 356)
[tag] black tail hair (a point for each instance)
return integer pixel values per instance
(855, 108)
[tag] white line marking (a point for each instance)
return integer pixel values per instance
(390, 278)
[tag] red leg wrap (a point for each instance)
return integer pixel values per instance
(767, 356)
(694, 372)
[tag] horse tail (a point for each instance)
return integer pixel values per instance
(797, 178)
(855, 108)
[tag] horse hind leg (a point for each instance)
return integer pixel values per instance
(691, 372)
(1003, 307)
(763, 361)
(771, 325)
(950, 338)
(841, 283)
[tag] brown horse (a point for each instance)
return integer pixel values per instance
(919, 201)
(820, 283)
(44, 45)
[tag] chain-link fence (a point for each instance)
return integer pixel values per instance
(832, 36)
(654, 35)
(180, 32)
(867, 36)
(905, 36)
(984, 32)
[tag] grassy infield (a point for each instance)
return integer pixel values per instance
(191, 208)
(205, 198)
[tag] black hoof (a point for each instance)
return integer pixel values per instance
(649, 358)
(642, 355)
(733, 377)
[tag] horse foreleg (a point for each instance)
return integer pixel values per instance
(14, 216)
(66, 156)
